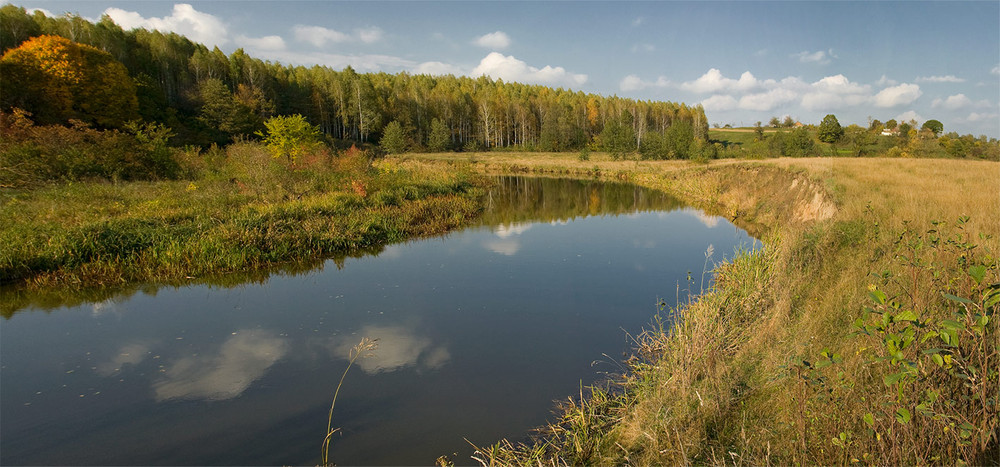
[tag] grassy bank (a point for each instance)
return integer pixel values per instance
(864, 333)
(244, 211)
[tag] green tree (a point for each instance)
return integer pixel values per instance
(223, 112)
(774, 122)
(759, 130)
(788, 122)
(891, 124)
(933, 125)
(618, 138)
(830, 130)
(290, 136)
(439, 138)
(393, 138)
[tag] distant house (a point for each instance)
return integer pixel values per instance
(888, 132)
(798, 125)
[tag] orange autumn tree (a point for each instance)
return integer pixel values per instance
(57, 79)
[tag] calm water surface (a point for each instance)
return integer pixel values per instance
(479, 332)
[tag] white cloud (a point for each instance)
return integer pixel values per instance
(369, 35)
(955, 102)
(995, 70)
(713, 82)
(885, 81)
(261, 43)
(495, 40)
(768, 100)
(508, 68)
(638, 21)
(634, 83)
(909, 115)
(438, 69)
(184, 20)
(835, 92)
(320, 36)
(720, 103)
(977, 117)
(897, 95)
(940, 79)
(819, 57)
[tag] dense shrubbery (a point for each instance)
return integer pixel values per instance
(32, 154)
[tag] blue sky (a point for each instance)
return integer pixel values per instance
(744, 61)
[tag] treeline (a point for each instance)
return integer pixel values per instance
(206, 96)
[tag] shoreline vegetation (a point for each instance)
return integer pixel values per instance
(244, 212)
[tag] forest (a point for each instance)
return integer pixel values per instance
(205, 96)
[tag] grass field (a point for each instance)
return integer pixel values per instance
(862, 333)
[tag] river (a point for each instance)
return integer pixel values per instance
(479, 332)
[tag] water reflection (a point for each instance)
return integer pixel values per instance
(398, 347)
(242, 359)
(129, 354)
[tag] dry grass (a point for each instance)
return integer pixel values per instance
(765, 368)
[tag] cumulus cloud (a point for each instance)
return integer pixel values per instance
(635, 83)
(820, 57)
(319, 36)
(955, 102)
(897, 95)
(978, 117)
(638, 21)
(713, 82)
(885, 81)
(909, 115)
(369, 35)
(835, 92)
(720, 103)
(438, 69)
(769, 100)
(495, 40)
(940, 79)
(508, 68)
(995, 70)
(184, 20)
(261, 43)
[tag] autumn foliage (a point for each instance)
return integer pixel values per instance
(57, 79)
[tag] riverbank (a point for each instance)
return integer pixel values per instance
(245, 212)
(863, 333)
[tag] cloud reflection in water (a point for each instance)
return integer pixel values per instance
(241, 360)
(397, 348)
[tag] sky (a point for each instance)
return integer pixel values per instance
(743, 61)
